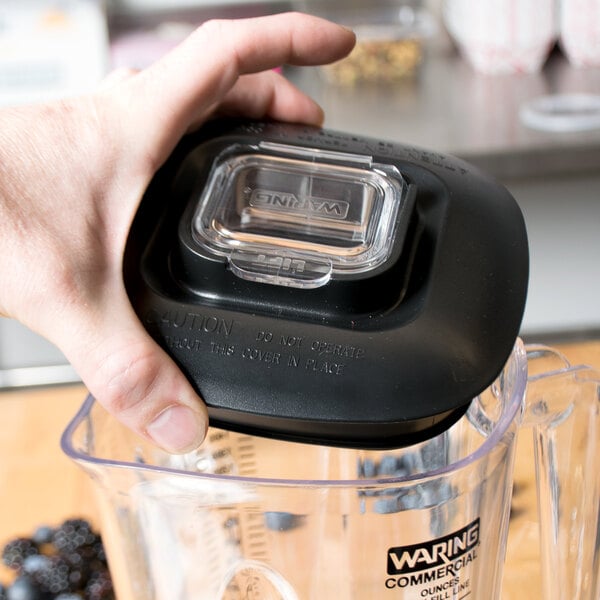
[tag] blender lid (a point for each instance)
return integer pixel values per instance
(323, 287)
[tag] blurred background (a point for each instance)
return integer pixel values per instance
(513, 86)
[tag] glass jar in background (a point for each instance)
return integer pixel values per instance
(390, 35)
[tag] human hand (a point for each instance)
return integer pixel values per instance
(72, 174)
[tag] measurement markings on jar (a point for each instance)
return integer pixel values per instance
(254, 541)
(251, 517)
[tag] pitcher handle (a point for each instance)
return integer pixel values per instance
(563, 409)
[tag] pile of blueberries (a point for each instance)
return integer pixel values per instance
(58, 563)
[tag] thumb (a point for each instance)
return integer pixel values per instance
(135, 380)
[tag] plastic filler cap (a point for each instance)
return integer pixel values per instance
(282, 215)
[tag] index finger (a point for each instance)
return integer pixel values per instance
(198, 74)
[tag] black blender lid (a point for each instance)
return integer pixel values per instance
(323, 287)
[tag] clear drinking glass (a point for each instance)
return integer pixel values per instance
(246, 517)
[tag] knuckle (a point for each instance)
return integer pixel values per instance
(217, 34)
(128, 379)
(212, 29)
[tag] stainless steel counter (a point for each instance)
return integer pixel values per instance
(448, 107)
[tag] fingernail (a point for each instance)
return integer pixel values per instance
(177, 429)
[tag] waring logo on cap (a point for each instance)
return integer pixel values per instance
(434, 553)
(289, 202)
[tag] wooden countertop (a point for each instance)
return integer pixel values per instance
(40, 485)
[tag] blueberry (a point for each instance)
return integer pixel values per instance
(388, 465)
(385, 506)
(34, 563)
(368, 468)
(23, 588)
(52, 576)
(43, 535)
(99, 587)
(63, 563)
(410, 462)
(282, 521)
(17, 550)
(73, 534)
(410, 502)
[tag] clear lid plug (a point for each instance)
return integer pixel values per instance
(296, 216)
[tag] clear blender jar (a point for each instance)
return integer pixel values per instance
(348, 309)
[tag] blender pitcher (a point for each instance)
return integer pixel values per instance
(349, 311)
